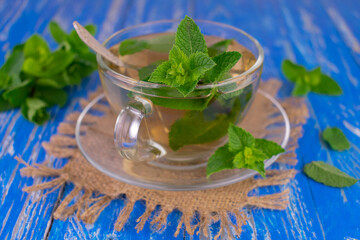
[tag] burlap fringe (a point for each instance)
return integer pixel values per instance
(87, 206)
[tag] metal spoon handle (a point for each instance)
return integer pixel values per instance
(92, 43)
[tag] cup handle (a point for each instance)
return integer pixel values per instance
(126, 132)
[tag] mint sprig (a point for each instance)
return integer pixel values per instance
(189, 61)
(33, 77)
(309, 81)
(242, 151)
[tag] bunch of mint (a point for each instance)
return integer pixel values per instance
(33, 78)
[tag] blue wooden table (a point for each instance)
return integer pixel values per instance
(325, 33)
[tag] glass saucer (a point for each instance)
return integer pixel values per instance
(266, 118)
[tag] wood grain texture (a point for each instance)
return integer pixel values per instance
(313, 33)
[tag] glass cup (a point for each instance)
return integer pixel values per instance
(156, 122)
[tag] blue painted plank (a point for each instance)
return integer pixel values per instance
(335, 206)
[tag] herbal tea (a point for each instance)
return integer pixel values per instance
(188, 127)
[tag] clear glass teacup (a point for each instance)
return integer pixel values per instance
(155, 121)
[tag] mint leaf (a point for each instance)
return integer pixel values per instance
(55, 63)
(57, 32)
(36, 48)
(328, 175)
(33, 109)
(52, 96)
(336, 139)
(176, 56)
(161, 43)
(224, 63)
(160, 74)
(195, 128)
(269, 148)
(292, 71)
(131, 46)
(189, 38)
(239, 139)
(145, 72)
(300, 89)
(222, 159)
(13, 64)
(200, 63)
(251, 158)
(327, 86)
(219, 47)
(4, 104)
(49, 82)
(17, 94)
(309, 81)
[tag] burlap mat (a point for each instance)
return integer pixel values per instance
(94, 190)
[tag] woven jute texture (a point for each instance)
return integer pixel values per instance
(93, 190)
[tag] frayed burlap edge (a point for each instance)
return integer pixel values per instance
(93, 194)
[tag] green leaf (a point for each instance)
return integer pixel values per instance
(292, 71)
(188, 87)
(49, 82)
(306, 81)
(176, 56)
(4, 104)
(17, 94)
(328, 175)
(55, 63)
(5, 80)
(160, 74)
(219, 47)
(239, 139)
(327, 86)
(145, 72)
(197, 104)
(52, 96)
(300, 89)
(251, 158)
(76, 44)
(57, 32)
(161, 43)
(34, 110)
(189, 38)
(131, 46)
(199, 64)
(336, 139)
(13, 64)
(222, 159)
(36, 48)
(195, 128)
(269, 148)
(224, 63)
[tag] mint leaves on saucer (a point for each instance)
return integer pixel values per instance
(309, 81)
(328, 175)
(336, 139)
(242, 151)
(33, 77)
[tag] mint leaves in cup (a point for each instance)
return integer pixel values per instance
(33, 77)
